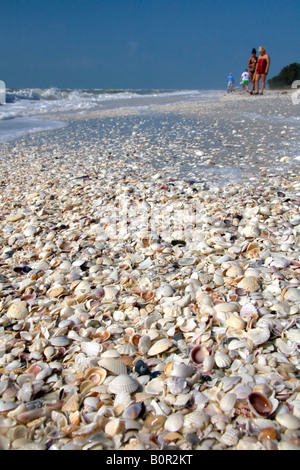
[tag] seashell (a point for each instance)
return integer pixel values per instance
(176, 385)
(280, 263)
(182, 370)
(199, 353)
(155, 386)
(227, 402)
(264, 389)
(208, 363)
(153, 423)
(231, 437)
(230, 382)
(260, 404)
(258, 335)
(160, 346)
(144, 344)
(188, 261)
(292, 294)
(141, 368)
(115, 366)
(234, 271)
(195, 421)
(74, 418)
(17, 310)
(103, 335)
(249, 283)
(126, 349)
(165, 290)
(222, 360)
(96, 375)
(110, 293)
(71, 403)
(90, 348)
(293, 335)
(235, 322)
(123, 383)
(267, 434)
(250, 231)
(56, 292)
(113, 427)
(60, 341)
(248, 309)
(174, 422)
(288, 421)
(133, 411)
(226, 307)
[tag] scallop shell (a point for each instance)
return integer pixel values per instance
(258, 335)
(160, 346)
(114, 366)
(195, 421)
(123, 383)
(227, 402)
(222, 360)
(174, 422)
(231, 437)
(126, 349)
(90, 348)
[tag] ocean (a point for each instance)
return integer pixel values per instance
(31, 110)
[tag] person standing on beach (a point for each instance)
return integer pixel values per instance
(262, 69)
(252, 66)
(245, 80)
(230, 82)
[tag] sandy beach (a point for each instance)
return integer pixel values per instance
(149, 279)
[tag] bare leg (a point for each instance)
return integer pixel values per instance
(257, 78)
(263, 82)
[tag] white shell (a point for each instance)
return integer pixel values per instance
(174, 422)
(182, 370)
(208, 363)
(258, 335)
(17, 310)
(60, 341)
(160, 346)
(227, 402)
(195, 421)
(90, 348)
(230, 437)
(144, 344)
(155, 386)
(127, 349)
(187, 261)
(114, 366)
(250, 231)
(110, 293)
(288, 421)
(234, 271)
(293, 335)
(222, 360)
(249, 283)
(123, 383)
(165, 290)
(235, 322)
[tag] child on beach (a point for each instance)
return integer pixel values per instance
(252, 66)
(245, 80)
(230, 82)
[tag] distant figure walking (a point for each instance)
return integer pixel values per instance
(262, 69)
(230, 83)
(252, 66)
(245, 80)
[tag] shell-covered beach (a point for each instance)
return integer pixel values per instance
(149, 280)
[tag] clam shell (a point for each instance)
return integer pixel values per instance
(222, 360)
(123, 383)
(249, 283)
(288, 421)
(258, 335)
(174, 422)
(160, 346)
(199, 353)
(17, 310)
(114, 366)
(144, 344)
(60, 341)
(227, 402)
(235, 322)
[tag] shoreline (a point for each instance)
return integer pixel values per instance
(115, 252)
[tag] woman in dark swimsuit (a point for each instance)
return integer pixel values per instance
(262, 69)
(252, 66)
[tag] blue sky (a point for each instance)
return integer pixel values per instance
(167, 44)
